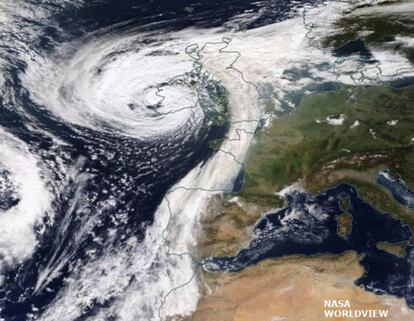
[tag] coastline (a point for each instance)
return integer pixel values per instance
(186, 204)
(291, 288)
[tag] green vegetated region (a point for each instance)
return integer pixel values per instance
(387, 27)
(347, 135)
(214, 101)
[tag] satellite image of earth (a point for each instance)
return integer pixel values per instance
(228, 160)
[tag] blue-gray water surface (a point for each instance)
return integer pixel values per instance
(308, 226)
(113, 183)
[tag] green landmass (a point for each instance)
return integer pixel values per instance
(397, 249)
(213, 99)
(344, 203)
(386, 29)
(338, 136)
(344, 222)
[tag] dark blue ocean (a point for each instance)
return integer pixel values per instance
(309, 226)
(104, 186)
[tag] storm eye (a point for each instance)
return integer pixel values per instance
(8, 194)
